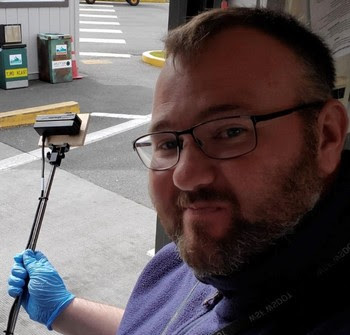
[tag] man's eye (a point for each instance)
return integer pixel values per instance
(166, 145)
(231, 132)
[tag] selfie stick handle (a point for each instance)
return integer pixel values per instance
(55, 157)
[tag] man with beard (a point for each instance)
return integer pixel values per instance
(250, 180)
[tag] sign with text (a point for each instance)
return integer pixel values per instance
(61, 64)
(16, 73)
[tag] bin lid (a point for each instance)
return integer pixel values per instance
(53, 36)
(13, 46)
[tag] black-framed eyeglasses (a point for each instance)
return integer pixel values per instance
(222, 138)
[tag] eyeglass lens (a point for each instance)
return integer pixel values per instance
(220, 139)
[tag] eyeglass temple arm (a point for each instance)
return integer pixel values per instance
(265, 117)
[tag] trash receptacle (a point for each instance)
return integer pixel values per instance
(13, 66)
(54, 56)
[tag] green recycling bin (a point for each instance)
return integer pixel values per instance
(13, 66)
(54, 56)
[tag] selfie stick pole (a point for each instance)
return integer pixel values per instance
(55, 158)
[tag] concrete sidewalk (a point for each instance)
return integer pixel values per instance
(98, 243)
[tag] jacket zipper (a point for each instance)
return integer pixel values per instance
(178, 310)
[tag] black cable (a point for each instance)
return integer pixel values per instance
(43, 166)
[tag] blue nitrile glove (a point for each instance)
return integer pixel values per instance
(47, 295)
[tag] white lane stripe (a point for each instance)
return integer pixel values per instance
(21, 159)
(100, 23)
(107, 31)
(102, 40)
(97, 10)
(95, 5)
(34, 155)
(118, 129)
(120, 116)
(104, 54)
(99, 16)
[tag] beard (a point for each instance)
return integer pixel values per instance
(291, 192)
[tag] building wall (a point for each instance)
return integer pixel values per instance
(34, 20)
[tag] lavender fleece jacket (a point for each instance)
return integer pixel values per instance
(169, 300)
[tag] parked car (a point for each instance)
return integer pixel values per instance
(130, 2)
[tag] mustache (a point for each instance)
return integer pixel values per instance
(186, 198)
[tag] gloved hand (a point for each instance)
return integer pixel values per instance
(47, 295)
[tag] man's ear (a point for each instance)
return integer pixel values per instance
(332, 129)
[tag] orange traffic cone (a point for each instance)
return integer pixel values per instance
(75, 73)
(224, 4)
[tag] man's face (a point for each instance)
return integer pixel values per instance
(220, 213)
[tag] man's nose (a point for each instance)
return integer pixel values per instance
(194, 168)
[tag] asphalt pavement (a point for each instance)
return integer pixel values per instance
(99, 239)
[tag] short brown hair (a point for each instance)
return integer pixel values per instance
(316, 60)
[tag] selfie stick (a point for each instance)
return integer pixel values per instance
(55, 158)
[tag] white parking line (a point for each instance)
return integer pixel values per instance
(99, 22)
(120, 116)
(101, 40)
(97, 10)
(95, 5)
(104, 54)
(107, 31)
(99, 16)
(151, 253)
(20, 159)
(118, 129)
(34, 155)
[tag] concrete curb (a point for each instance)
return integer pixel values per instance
(26, 116)
(153, 60)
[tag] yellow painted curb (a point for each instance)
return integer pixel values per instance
(150, 59)
(27, 116)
